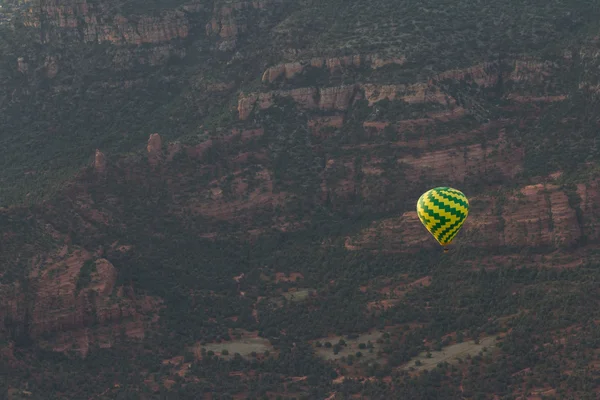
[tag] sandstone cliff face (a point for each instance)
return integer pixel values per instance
(99, 162)
(154, 149)
(484, 75)
(304, 97)
(538, 215)
(518, 71)
(228, 21)
(534, 216)
(91, 23)
(589, 203)
(457, 162)
(292, 69)
(487, 74)
(460, 164)
(341, 97)
(236, 200)
(336, 98)
(69, 292)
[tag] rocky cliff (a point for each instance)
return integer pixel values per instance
(534, 216)
(208, 151)
(288, 71)
(397, 156)
(93, 22)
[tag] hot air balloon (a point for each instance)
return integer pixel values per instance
(443, 211)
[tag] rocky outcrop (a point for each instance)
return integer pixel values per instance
(341, 97)
(484, 75)
(487, 74)
(304, 97)
(331, 98)
(70, 291)
(539, 215)
(532, 70)
(459, 161)
(227, 22)
(292, 69)
(154, 149)
(234, 199)
(245, 135)
(22, 65)
(99, 162)
(91, 23)
(586, 200)
(459, 164)
(162, 29)
(320, 126)
(336, 98)
(536, 99)
(374, 93)
(416, 93)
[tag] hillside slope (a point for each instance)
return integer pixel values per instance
(218, 197)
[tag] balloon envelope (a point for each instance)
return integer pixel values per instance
(443, 211)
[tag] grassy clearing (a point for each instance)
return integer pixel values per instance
(297, 295)
(449, 354)
(294, 295)
(351, 347)
(245, 347)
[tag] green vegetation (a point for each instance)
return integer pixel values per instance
(245, 347)
(451, 354)
(208, 234)
(344, 348)
(438, 34)
(51, 125)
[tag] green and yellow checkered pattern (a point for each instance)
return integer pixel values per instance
(443, 210)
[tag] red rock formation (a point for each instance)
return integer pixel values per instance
(154, 148)
(305, 97)
(64, 301)
(90, 18)
(145, 30)
(320, 125)
(333, 98)
(589, 197)
(224, 22)
(458, 164)
(340, 97)
(336, 98)
(537, 215)
(483, 74)
(99, 162)
(535, 99)
(373, 127)
(236, 201)
(291, 69)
